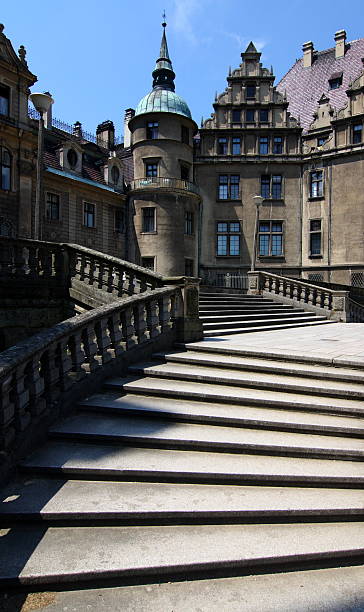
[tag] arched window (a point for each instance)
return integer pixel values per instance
(6, 228)
(5, 163)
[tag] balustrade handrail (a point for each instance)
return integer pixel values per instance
(300, 282)
(164, 181)
(21, 352)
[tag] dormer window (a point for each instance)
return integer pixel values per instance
(336, 80)
(4, 100)
(115, 175)
(251, 90)
(72, 158)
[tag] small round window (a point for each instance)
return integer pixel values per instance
(72, 158)
(115, 174)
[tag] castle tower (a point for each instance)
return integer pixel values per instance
(163, 194)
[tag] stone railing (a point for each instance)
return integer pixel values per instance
(331, 303)
(355, 311)
(43, 376)
(164, 182)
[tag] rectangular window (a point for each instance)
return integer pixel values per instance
(89, 214)
(316, 184)
(271, 186)
(148, 262)
(357, 133)
(228, 239)
(4, 100)
(229, 187)
(263, 145)
(185, 134)
(236, 146)
(119, 221)
(222, 146)
(263, 116)
(250, 115)
(270, 238)
(151, 169)
(152, 130)
(188, 222)
(188, 267)
(148, 219)
(236, 116)
(250, 90)
(52, 207)
(277, 145)
(315, 237)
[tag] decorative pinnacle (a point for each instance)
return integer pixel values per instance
(164, 18)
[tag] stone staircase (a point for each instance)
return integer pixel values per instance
(197, 465)
(229, 313)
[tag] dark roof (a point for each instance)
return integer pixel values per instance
(305, 86)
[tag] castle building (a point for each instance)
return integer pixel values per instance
(272, 180)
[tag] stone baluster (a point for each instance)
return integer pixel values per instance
(53, 375)
(129, 331)
(140, 321)
(78, 357)
(7, 412)
(90, 346)
(295, 291)
(104, 340)
(281, 287)
(34, 385)
(143, 285)
(64, 362)
(327, 300)
(165, 313)
(116, 336)
(131, 282)
(154, 327)
(267, 283)
(311, 296)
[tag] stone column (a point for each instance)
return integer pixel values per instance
(254, 283)
(189, 326)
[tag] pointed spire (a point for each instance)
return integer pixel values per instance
(163, 75)
(251, 48)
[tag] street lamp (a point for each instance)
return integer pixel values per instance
(258, 200)
(42, 103)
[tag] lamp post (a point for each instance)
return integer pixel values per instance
(42, 103)
(257, 199)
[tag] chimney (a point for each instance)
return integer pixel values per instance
(307, 49)
(77, 129)
(340, 39)
(129, 114)
(105, 134)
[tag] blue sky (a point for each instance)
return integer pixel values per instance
(97, 58)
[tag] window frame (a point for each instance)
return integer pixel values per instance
(266, 114)
(236, 140)
(267, 181)
(86, 213)
(185, 134)
(312, 234)
(6, 178)
(252, 111)
(316, 184)
(230, 186)
(271, 234)
(189, 223)
(228, 234)
(275, 143)
(263, 145)
(148, 165)
(357, 129)
(222, 145)
(251, 85)
(49, 206)
(7, 99)
(144, 229)
(234, 115)
(152, 130)
(150, 257)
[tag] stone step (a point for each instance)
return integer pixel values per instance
(243, 330)
(55, 501)
(261, 380)
(58, 555)
(263, 321)
(235, 395)
(255, 364)
(158, 433)
(237, 302)
(252, 317)
(224, 414)
(67, 459)
(339, 589)
(264, 309)
(246, 296)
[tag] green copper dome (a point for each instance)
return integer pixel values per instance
(163, 101)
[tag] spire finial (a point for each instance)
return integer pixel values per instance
(164, 18)
(163, 75)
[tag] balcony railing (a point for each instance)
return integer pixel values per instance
(152, 182)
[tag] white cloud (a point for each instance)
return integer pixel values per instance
(182, 18)
(242, 42)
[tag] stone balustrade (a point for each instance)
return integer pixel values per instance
(332, 303)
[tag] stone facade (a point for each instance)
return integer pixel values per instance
(182, 200)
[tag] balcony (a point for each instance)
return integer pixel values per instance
(161, 182)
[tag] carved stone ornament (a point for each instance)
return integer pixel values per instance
(338, 303)
(253, 282)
